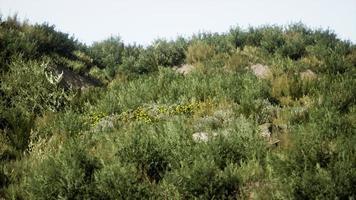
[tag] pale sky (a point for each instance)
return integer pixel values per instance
(143, 21)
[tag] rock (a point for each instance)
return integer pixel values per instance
(308, 75)
(105, 124)
(203, 136)
(185, 69)
(70, 79)
(261, 71)
(200, 136)
(265, 130)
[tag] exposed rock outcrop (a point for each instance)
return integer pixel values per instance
(74, 80)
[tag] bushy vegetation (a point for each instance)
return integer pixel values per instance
(151, 132)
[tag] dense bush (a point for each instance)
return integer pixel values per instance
(169, 54)
(199, 52)
(40, 91)
(33, 41)
(109, 54)
(69, 174)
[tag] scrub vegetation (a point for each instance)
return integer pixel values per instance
(263, 113)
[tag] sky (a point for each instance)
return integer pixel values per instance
(142, 21)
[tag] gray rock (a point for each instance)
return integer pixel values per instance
(185, 69)
(105, 124)
(261, 71)
(308, 75)
(265, 130)
(203, 136)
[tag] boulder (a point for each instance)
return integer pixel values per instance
(261, 71)
(184, 69)
(308, 75)
(265, 130)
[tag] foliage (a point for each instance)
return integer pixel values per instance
(170, 53)
(40, 91)
(199, 52)
(108, 53)
(217, 132)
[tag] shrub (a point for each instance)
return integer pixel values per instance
(351, 57)
(17, 128)
(280, 87)
(240, 60)
(204, 180)
(313, 164)
(29, 92)
(222, 43)
(149, 157)
(68, 173)
(121, 182)
(272, 39)
(143, 64)
(109, 54)
(248, 93)
(254, 37)
(238, 145)
(199, 52)
(153, 150)
(51, 41)
(30, 86)
(294, 46)
(33, 41)
(170, 53)
(237, 37)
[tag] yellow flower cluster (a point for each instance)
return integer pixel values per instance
(93, 118)
(186, 108)
(152, 114)
(139, 114)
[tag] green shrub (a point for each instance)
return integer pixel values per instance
(68, 123)
(199, 52)
(33, 41)
(170, 53)
(109, 54)
(222, 43)
(254, 37)
(29, 90)
(32, 87)
(238, 145)
(143, 64)
(240, 60)
(294, 46)
(313, 166)
(121, 182)
(69, 173)
(51, 41)
(204, 180)
(153, 150)
(17, 128)
(272, 39)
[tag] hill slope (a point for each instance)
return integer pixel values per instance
(264, 113)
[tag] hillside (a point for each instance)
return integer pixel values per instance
(259, 113)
